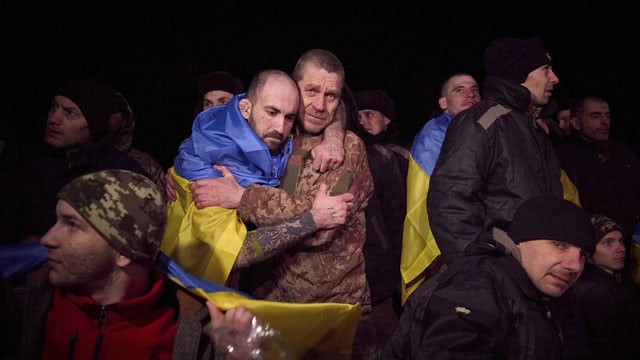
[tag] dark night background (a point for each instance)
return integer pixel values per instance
(154, 55)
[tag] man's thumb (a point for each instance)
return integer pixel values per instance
(224, 171)
(323, 189)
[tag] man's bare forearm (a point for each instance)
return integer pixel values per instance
(334, 132)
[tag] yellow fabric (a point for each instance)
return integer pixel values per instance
(325, 329)
(569, 189)
(204, 242)
(419, 248)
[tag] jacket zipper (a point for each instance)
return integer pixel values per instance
(102, 318)
(72, 344)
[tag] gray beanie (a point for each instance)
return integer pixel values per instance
(553, 218)
(126, 208)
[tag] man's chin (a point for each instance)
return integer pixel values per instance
(53, 142)
(273, 148)
(313, 129)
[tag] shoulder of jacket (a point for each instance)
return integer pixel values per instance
(491, 114)
(351, 138)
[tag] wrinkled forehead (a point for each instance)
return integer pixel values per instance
(314, 76)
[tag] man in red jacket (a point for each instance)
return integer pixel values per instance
(105, 299)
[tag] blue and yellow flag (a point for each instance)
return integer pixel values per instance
(420, 253)
(206, 242)
(419, 248)
(324, 329)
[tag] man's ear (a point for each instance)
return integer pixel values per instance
(442, 102)
(122, 260)
(574, 123)
(245, 107)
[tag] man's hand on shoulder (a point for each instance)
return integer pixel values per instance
(327, 156)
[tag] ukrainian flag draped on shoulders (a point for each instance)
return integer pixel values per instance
(206, 242)
(325, 330)
(419, 249)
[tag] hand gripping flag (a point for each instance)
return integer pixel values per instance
(315, 330)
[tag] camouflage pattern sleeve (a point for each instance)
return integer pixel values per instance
(265, 242)
(361, 181)
(265, 205)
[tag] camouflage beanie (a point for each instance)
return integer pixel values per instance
(604, 225)
(126, 208)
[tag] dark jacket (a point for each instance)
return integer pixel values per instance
(385, 213)
(391, 139)
(384, 216)
(611, 187)
(493, 158)
(599, 318)
(481, 307)
(190, 342)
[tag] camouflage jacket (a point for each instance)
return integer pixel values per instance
(328, 265)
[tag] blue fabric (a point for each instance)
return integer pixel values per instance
(167, 266)
(221, 136)
(18, 259)
(428, 142)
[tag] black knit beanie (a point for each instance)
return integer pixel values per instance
(376, 100)
(513, 58)
(553, 218)
(219, 80)
(96, 100)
